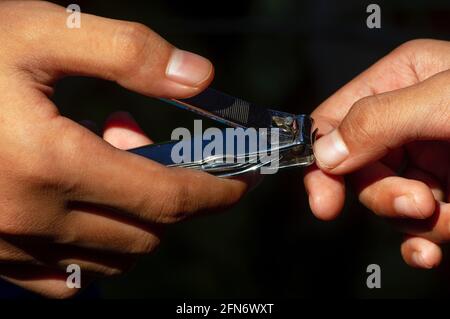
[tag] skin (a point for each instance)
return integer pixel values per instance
(62, 203)
(393, 120)
(69, 196)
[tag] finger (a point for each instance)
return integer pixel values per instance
(129, 53)
(140, 60)
(35, 252)
(96, 229)
(92, 263)
(47, 282)
(410, 63)
(132, 185)
(12, 253)
(430, 181)
(434, 228)
(391, 196)
(326, 193)
(376, 125)
(123, 132)
(421, 253)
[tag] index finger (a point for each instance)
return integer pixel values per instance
(132, 185)
(409, 64)
(128, 53)
(90, 169)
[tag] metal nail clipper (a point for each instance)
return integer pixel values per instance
(294, 137)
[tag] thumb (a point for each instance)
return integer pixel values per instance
(128, 53)
(376, 124)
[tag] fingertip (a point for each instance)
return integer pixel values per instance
(330, 151)
(187, 74)
(393, 196)
(426, 203)
(421, 253)
(189, 69)
(326, 194)
(323, 208)
(123, 132)
(206, 192)
(424, 199)
(430, 181)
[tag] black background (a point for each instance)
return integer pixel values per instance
(289, 55)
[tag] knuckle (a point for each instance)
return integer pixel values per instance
(32, 164)
(31, 222)
(171, 203)
(145, 245)
(366, 104)
(181, 200)
(181, 194)
(11, 228)
(185, 196)
(9, 253)
(358, 121)
(415, 49)
(364, 123)
(412, 46)
(439, 102)
(66, 155)
(425, 57)
(175, 204)
(130, 45)
(40, 171)
(13, 223)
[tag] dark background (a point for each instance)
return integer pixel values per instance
(290, 55)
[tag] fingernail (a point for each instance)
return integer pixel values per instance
(330, 150)
(188, 68)
(419, 260)
(405, 205)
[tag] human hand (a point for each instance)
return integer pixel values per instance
(389, 130)
(69, 197)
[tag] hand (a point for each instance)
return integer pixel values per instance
(67, 195)
(389, 130)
